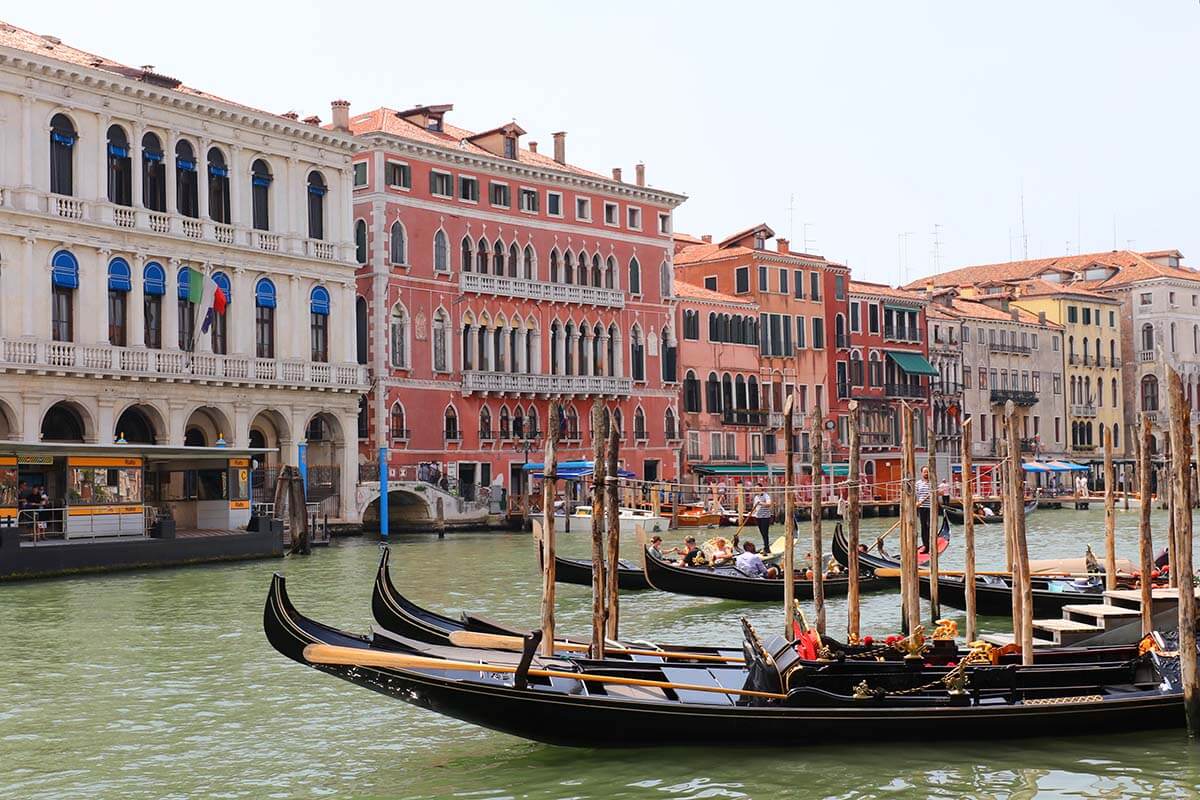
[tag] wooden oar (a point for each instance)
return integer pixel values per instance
(494, 641)
(356, 657)
(893, 572)
(885, 534)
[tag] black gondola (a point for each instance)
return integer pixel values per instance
(955, 514)
(728, 583)
(579, 571)
(567, 710)
(993, 595)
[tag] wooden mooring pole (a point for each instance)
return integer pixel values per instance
(818, 557)
(935, 609)
(1016, 507)
(968, 504)
(612, 476)
(853, 510)
(789, 521)
(1110, 512)
(1145, 541)
(1172, 542)
(599, 444)
(909, 589)
(549, 481)
(1181, 512)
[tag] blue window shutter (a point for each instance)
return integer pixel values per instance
(320, 301)
(181, 281)
(119, 275)
(217, 172)
(152, 155)
(154, 279)
(64, 270)
(63, 139)
(222, 280)
(264, 294)
(185, 164)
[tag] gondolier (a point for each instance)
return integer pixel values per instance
(763, 513)
(923, 494)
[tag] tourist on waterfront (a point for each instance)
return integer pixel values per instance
(751, 563)
(923, 495)
(763, 513)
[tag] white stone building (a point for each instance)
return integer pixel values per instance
(115, 178)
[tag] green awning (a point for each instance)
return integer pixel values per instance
(899, 307)
(736, 469)
(836, 470)
(912, 363)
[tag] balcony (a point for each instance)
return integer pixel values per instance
(775, 420)
(905, 390)
(1020, 397)
(946, 388)
(755, 417)
(1009, 347)
(545, 385)
(1080, 447)
(1083, 410)
(876, 439)
(896, 334)
(1152, 416)
(540, 290)
(943, 345)
(104, 360)
(1145, 356)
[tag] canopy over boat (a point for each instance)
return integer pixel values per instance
(571, 470)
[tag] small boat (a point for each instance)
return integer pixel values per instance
(630, 519)
(579, 571)
(698, 517)
(955, 513)
(767, 701)
(730, 583)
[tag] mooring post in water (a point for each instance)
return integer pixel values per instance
(1181, 512)
(439, 523)
(1172, 542)
(909, 590)
(935, 608)
(1016, 501)
(968, 506)
(1128, 473)
(1145, 542)
(818, 556)
(1110, 512)
(789, 523)
(741, 504)
(853, 510)
(612, 475)
(599, 445)
(549, 481)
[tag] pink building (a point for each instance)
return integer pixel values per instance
(496, 278)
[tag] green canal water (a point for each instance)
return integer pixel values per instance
(160, 684)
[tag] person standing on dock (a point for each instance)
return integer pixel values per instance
(763, 513)
(923, 494)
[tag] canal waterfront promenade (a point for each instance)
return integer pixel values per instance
(160, 684)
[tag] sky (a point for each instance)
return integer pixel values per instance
(901, 138)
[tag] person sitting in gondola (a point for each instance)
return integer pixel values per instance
(750, 563)
(721, 551)
(655, 548)
(693, 556)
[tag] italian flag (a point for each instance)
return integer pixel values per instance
(204, 293)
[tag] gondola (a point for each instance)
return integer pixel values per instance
(955, 514)
(579, 571)
(993, 595)
(766, 702)
(728, 583)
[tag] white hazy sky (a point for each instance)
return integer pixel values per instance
(845, 124)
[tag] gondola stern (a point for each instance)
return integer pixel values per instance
(279, 622)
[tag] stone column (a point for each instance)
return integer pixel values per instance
(485, 358)
(519, 364)
(467, 341)
(293, 314)
(172, 192)
(500, 349)
(618, 356)
(585, 354)
(135, 163)
(170, 309)
(202, 178)
(603, 353)
(106, 423)
(284, 201)
(135, 303)
(349, 326)
(560, 347)
(236, 327)
(239, 182)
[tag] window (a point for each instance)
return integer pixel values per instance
(664, 224)
(260, 194)
(1056, 383)
(762, 279)
(691, 393)
(441, 252)
(1036, 384)
(529, 200)
(710, 282)
(529, 269)
(360, 241)
(120, 167)
(118, 286)
(783, 281)
(498, 195)
(360, 174)
(814, 279)
(398, 249)
(635, 277)
(839, 287)
(818, 332)
(450, 424)
(664, 280)
(316, 205)
(264, 319)
(154, 174)
(441, 341)
(1144, 299)
(1171, 298)
(318, 323)
(639, 425)
(396, 428)
(154, 286)
(633, 217)
(691, 325)
(741, 280)
(397, 175)
(610, 213)
(801, 332)
(873, 319)
(583, 209)
(64, 280)
(554, 204)
(218, 324)
(637, 354)
(855, 322)
(1072, 314)
(468, 189)
(1149, 393)
(983, 378)
(441, 184)
(62, 158)
(1087, 316)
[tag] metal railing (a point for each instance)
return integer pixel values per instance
(744, 416)
(1008, 347)
(509, 383)
(1083, 410)
(42, 524)
(1021, 397)
(905, 390)
(901, 334)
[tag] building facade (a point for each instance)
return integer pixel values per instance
(113, 180)
(494, 279)
(946, 390)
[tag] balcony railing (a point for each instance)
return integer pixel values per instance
(946, 387)
(1009, 347)
(1152, 416)
(905, 390)
(540, 290)
(1020, 397)
(898, 334)
(876, 438)
(1082, 447)
(775, 420)
(1083, 410)
(108, 360)
(756, 417)
(509, 383)
(722, 457)
(1145, 356)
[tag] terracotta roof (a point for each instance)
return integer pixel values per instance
(961, 308)
(1130, 266)
(687, 238)
(883, 290)
(1037, 287)
(762, 226)
(710, 251)
(387, 120)
(690, 291)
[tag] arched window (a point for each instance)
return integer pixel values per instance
(518, 423)
(398, 246)
(727, 393)
(154, 174)
(691, 393)
(529, 273)
(441, 252)
(360, 321)
(568, 268)
(610, 273)
(316, 205)
(531, 423)
(154, 286)
(610, 358)
(639, 424)
(555, 338)
(669, 429)
(120, 167)
(187, 189)
(635, 276)
(712, 392)
(637, 354)
(572, 423)
(397, 428)
(451, 430)
(399, 337)
(264, 318)
(498, 258)
(554, 266)
(441, 341)
(1114, 392)
(1149, 393)
(485, 423)
(360, 241)
(618, 419)
(1147, 337)
(260, 195)
(481, 257)
(318, 323)
(1116, 435)
(596, 279)
(218, 325)
(714, 333)
(568, 349)
(583, 268)
(505, 423)
(670, 356)
(62, 155)
(839, 331)
(119, 285)
(64, 280)
(856, 368)
(752, 393)
(664, 280)
(514, 260)
(740, 403)
(218, 186)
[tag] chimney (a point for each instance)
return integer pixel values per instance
(782, 245)
(641, 174)
(533, 147)
(291, 115)
(340, 115)
(313, 120)
(706, 238)
(1041, 318)
(617, 174)
(560, 147)
(1015, 313)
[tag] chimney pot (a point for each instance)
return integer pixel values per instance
(706, 238)
(617, 174)
(641, 174)
(560, 147)
(313, 120)
(340, 115)
(1041, 317)
(1015, 313)
(533, 147)
(781, 245)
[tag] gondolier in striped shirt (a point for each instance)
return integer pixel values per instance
(923, 494)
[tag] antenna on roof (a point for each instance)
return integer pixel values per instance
(937, 248)
(902, 255)
(1024, 233)
(791, 214)
(808, 243)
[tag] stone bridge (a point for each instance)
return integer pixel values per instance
(412, 506)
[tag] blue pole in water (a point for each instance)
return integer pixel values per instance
(302, 451)
(383, 492)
